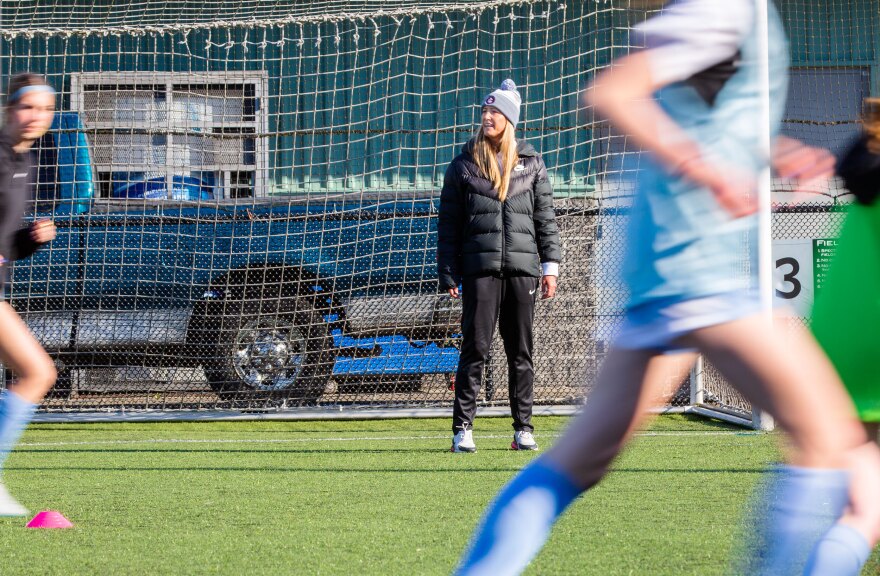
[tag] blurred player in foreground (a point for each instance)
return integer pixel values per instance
(846, 322)
(30, 105)
(694, 207)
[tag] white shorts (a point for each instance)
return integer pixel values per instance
(657, 325)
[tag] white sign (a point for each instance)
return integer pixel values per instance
(799, 269)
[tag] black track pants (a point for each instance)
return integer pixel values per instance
(509, 302)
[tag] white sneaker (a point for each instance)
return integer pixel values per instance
(523, 440)
(463, 441)
(9, 506)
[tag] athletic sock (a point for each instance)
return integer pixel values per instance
(842, 552)
(800, 505)
(15, 413)
(518, 522)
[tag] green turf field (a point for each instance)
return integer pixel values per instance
(352, 497)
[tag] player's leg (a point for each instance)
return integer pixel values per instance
(35, 376)
(845, 548)
(519, 520)
(614, 411)
(789, 377)
(795, 383)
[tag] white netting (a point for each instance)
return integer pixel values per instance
(84, 18)
(342, 103)
(232, 179)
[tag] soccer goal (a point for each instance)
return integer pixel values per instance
(246, 193)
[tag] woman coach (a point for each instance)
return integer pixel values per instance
(498, 239)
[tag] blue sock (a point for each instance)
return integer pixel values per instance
(799, 506)
(15, 413)
(842, 552)
(518, 522)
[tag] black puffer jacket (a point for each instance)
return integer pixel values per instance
(477, 234)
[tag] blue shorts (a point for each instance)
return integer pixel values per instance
(659, 324)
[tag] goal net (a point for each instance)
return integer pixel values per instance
(246, 192)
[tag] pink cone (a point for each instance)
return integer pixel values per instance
(50, 519)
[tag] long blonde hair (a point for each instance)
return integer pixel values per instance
(486, 159)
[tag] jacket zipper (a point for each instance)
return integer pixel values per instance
(503, 240)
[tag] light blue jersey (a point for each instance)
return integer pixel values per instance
(683, 245)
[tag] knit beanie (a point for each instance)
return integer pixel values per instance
(507, 100)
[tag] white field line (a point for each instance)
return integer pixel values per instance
(682, 434)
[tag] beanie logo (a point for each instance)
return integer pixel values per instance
(519, 166)
(490, 100)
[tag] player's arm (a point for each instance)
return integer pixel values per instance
(6, 170)
(29, 239)
(689, 38)
(624, 95)
(860, 170)
(808, 167)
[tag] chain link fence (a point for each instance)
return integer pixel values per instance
(246, 198)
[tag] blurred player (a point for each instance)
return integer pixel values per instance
(693, 209)
(30, 105)
(846, 318)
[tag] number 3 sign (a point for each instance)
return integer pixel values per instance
(799, 270)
